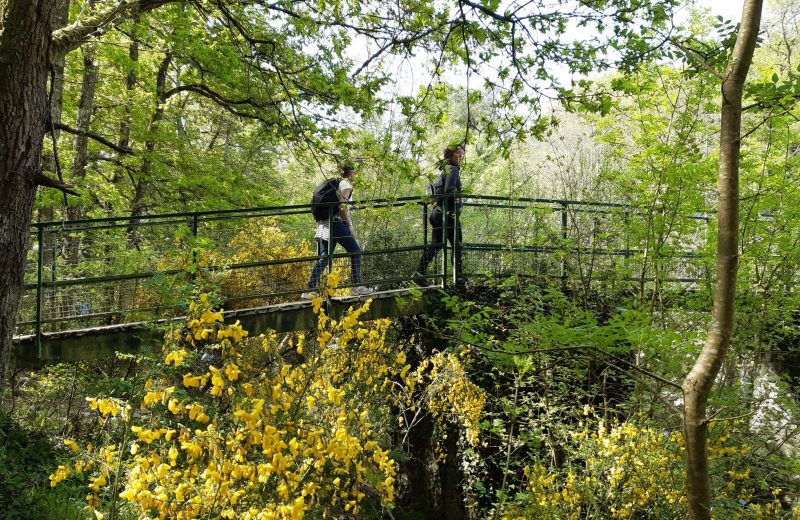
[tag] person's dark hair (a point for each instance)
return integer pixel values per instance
(347, 169)
(448, 152)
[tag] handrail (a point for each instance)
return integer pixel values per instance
(141, 219)
(94, 278)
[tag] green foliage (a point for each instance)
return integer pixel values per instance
(26, 458)
(211, 97)
(581, 418)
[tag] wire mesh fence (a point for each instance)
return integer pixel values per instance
(89, 273)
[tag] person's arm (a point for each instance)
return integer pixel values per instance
(452, 184)
(344, 213)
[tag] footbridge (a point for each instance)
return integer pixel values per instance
(113, 284)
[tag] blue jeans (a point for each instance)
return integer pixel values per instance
(339, 234)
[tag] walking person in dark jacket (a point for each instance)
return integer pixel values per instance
(447, 183)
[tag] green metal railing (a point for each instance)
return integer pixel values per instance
(95, 272)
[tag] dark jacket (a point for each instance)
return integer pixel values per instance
(448, 182)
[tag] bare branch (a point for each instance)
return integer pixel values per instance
(765, 120)
(41, 179)
(700, 58)
(767, 102)
(229, 104)
(488, 12)
(396, 41)
(96, 137)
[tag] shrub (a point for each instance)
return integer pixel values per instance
(259, 241)
(26, 457)
(632, 471)
(226, 432)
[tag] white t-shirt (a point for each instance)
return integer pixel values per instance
(322, 227)
(344, 184)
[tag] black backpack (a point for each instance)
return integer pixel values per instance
(436, 188)
(323, 199)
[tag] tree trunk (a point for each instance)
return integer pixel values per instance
(138, 203)
(80, 144)
(57, 89)
(697, 385)
(415, 495)
(56, 95)
(25, 28)
(83, 121)
(451, 479)
(130, 85)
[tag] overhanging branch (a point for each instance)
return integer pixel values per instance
(700, 58)
(95, 137)
(230, 104)
(41, 179)
(490, 13)
(72, 36)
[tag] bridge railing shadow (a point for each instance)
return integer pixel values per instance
(106, 271)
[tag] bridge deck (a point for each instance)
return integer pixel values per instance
(102, 341)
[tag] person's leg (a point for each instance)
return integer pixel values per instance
(433, 248)
(351, 246)
(453, 232)
(460, 251)
(320, 265)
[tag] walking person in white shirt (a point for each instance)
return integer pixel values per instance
(341, 232)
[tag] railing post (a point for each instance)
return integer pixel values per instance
(39, 269)
(564, 222)
(626, 223)
(53, 263)
(444, 241)
(330, 239)
(456, 245)
(195, 225)
(425, 224)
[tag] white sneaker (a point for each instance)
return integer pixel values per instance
(361, 290)
(310, 295)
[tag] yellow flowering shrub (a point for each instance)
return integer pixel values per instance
(230, 429)
(446, 391)
(628, 471)
(260, 240)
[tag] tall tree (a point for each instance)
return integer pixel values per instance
(28, 48)
(698, 383)
(25, 45)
